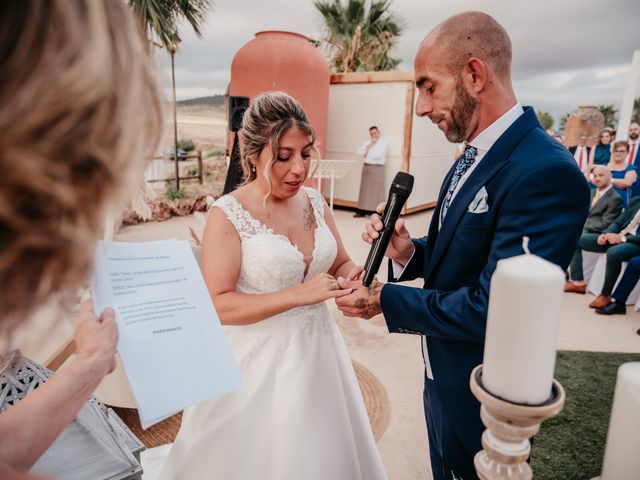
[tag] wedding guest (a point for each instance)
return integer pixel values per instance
(581, 153)
(606, 203)
(77, 75)
(624, 175)
(270, 257)
(620, 241)
(601, 154)
(620, 295)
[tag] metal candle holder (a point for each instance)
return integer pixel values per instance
(505, 442)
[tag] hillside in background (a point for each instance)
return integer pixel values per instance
(213, 101)
(202, 120)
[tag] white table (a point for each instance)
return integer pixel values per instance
(331, 169)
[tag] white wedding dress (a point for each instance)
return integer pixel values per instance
(300, 415)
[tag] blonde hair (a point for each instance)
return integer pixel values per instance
(270, 116)
(80, 114)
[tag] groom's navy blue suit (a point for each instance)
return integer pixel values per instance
(533, 188)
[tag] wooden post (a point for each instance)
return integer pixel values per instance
(200, 172)
(505, 442)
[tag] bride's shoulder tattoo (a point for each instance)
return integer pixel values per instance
(309, 219)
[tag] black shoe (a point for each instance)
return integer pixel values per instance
(612, 309)
(358, 214)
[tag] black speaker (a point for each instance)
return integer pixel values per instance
(237, 107)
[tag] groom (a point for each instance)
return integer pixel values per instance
(511, 180)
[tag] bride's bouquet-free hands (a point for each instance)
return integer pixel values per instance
(318, 289)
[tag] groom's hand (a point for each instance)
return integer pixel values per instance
(400, 248)
(363, 302)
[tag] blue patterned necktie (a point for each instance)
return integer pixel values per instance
(463, 164)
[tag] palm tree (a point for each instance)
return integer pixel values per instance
(160, 17)
(563, 121)
(635, 116)
(545, 119)
(358, 39)
(609, 112)
(160, 20)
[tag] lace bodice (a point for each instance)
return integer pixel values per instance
(270, 262)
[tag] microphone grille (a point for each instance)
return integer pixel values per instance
(403, 180)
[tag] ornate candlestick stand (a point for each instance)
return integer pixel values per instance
(505, 442)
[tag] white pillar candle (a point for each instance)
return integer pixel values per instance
(522, 329)
(621, 457)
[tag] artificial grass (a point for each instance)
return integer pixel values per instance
(571, 446)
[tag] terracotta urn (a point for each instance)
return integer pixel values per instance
(285, 61)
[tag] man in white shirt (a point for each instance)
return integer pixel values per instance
(581, 152)
(634, 133)
(372, 185)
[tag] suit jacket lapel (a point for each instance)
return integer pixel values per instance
(492, 162)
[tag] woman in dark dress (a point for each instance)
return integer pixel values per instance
(601, 154)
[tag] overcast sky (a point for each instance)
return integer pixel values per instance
(566, 53)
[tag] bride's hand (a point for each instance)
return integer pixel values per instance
(318, 289)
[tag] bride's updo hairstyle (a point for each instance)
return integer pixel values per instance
(80, 114)
(268, 118)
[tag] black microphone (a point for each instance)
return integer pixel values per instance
(398, 193)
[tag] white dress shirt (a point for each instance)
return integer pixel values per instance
(483, 142)
(585, 157)
(377, 154)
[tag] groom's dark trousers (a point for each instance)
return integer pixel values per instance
(533, 188)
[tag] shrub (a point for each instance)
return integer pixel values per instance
(172, 193)
(186, 144)
(214, 152)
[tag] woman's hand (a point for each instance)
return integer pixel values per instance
(96, 338)
(318, 289)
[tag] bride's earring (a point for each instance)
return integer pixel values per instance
(253, 168)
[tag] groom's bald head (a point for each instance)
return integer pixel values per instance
(468, 35)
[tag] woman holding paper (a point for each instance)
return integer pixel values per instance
(77, 95)
(271, 257)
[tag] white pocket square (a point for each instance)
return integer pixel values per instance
(480, 203)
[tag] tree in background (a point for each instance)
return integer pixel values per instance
(610, 113)
(358, 39)
(545, 119)
(563, 121)
(635, 116)
(160, 18)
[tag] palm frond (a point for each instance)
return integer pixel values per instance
(357, 38)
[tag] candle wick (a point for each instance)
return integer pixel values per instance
(525, 245)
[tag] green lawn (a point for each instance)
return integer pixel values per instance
(571, 446)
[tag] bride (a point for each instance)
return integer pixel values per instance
(271, 255)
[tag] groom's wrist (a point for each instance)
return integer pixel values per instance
(407, 255)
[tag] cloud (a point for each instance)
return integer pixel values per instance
(565, 54)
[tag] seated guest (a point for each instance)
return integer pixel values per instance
(624, 175)
(601, 154)
(620, 241)
(581, 153)
(606, 204)
(77, 75)
(620, 295)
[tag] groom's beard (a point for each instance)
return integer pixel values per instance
(464, 106)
